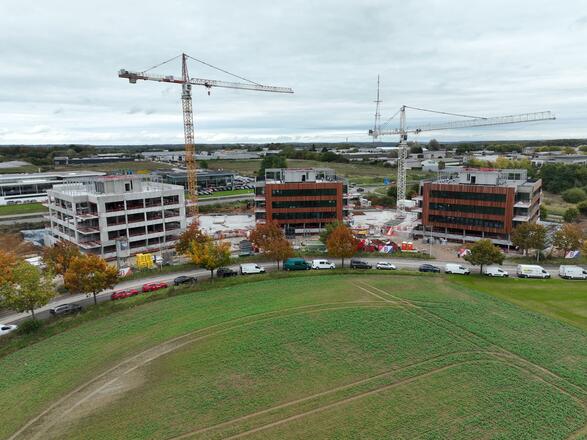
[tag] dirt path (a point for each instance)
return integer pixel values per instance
(40, 425)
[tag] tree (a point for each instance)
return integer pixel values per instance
(8, 262)
(203, 164)
(568, 238)
(210, 254)
(571, 215)
(574, 195)
(270, 239)
(28, 289)
(582, 207)
(529, 236)
(483, 252)
(341, 243)
(192, 233)
(90, 274)
(57, 258)
(328, 230)
(433, 145)
(277, 161)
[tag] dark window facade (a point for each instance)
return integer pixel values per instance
(487, 197)
(481, 223)
(467, 208)
(303, 192)
(292, 204)
(303, 215)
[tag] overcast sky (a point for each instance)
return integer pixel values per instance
(59, 63)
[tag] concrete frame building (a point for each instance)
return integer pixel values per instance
(302, 201)
(472, 204)
(116, 216)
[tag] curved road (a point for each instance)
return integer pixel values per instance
(9, 317)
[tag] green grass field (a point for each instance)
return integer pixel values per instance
(25, 208)
(234, 192)
(330, 356)
(136, 166)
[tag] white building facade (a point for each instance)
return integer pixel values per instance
(116, 216)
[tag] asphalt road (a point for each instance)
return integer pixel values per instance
(9, 317)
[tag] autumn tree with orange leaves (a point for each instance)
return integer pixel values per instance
(209, 254)
(341, 243)
(57, 258)
(8, 262)
(269, 238)
(90, 274)
(191, 234)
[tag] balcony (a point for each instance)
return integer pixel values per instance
(88, 230)
(90, 244)
(522, 204)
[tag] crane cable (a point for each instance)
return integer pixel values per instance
(160, 64)
(224, 71)
(444, 113)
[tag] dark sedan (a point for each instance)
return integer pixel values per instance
(184, 280)
(359, 264)
(429, 268)
(65, 309)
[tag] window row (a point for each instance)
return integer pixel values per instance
(303, 215)
(304, 192)
(466, 221)
(467, 208)
(292, 204)
(488, 197)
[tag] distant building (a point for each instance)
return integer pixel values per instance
(302, 201)
(99, 158)
(206, 178)
(116, 216)
(32, 187)
(570, 159)
(477, 203)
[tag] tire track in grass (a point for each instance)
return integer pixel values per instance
(538, 371)
(353, 398)
(55, 412)
(323, 393)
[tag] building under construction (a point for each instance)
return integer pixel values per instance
(116, 216)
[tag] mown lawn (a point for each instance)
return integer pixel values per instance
(234, 192)
(24, 208)
(561, 299)
(327, 356)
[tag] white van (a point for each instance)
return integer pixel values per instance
(494, 271)
(322, 264)
(251, 268)
(456, 268)
(572, 273)
(531, 271)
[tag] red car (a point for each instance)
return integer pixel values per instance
(150, 287)
(121, 294)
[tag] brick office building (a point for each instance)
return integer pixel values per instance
(302, 201)
(477, 203)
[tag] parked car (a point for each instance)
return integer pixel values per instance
(224, 272)
(251, 268)
(322, 264)
(296, 264)
(428, 268)
(151, 287)
(572, 272)
(360, 264)
(531, 271)
(121, 294)
(7, 328)
(65, 309)
(385, 265)
(494, 271)
(184, 279)
(456, 269)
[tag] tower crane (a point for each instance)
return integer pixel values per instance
(471, 121)
(186, 83)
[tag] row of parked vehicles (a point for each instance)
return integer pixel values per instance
(317, 264)
(212, 190)
(568, 272)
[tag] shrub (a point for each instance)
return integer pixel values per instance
(582, 207)
(574, 195)
(30, 326)
(571, 215)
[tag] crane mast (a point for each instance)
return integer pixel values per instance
(188, 118)
(473, 121)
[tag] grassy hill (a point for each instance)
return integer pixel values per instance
(328, 356)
